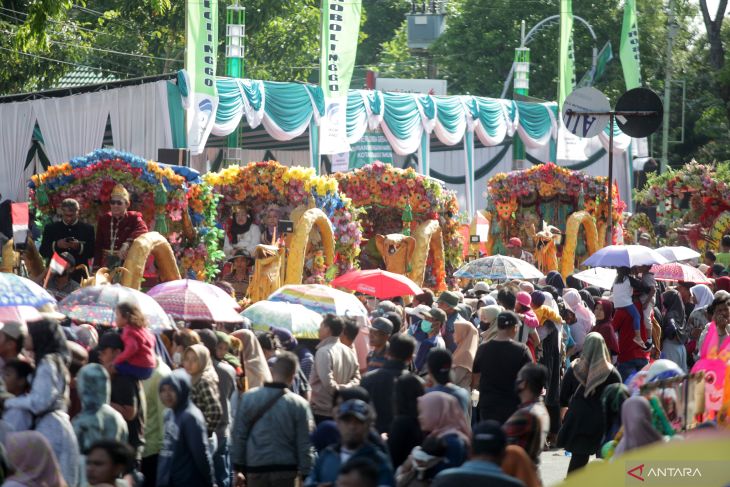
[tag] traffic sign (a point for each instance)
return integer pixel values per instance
(649, 114)
(586, 112)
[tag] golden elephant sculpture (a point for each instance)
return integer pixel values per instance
(30, 256)
(309, 225)
(593, 243)
(267, 272)
(396, 250)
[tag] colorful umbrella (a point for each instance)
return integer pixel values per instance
(98, 304)
(674, 271)
(191, 288)
(624, 256)
(678, 254)
(189, 305)
(598, 276)
(321, 299)
(498, 267)
(19, 291)
(302, 322)
(379, 283)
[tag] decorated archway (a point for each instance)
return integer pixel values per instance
(395, 200)
(174, 201)
(259, 185)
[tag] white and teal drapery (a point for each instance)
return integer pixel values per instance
(287, 110)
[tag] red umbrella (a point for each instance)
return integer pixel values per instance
(674, 271)
(378, 283)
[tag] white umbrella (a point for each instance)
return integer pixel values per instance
(600, 277)
(678, 254)
(624, 256)
(498, 267)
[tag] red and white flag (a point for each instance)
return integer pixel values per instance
(20, 218)
(58, 264)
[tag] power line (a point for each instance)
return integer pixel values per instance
(64, 62)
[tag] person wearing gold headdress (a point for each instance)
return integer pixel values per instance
(116, 230)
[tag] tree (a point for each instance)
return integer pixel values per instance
(396, 60)
(382, 19)
(717, 51)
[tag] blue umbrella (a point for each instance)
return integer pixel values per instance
(19, 291)
(624, 256)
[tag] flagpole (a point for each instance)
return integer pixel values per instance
(611, 117)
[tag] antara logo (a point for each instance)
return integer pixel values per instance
(637, 472)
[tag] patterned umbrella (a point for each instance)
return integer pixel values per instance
(194, 303)
(498, 267)
(302, 322)
(674, 271)
(98, 304)
(379, 283)
(678, 254)
(19, 314)
(320, 299)
(624, 256)
(192, 289)
(19, 291)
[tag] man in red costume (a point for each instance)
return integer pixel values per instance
(116, 230)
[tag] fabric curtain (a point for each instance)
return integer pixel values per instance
(288, 109)
(16, 133)
(451, 119)
(537, 124)
(402, 124)
(73, 125)
(140, 119)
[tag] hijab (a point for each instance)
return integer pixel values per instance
(702, 294)
(466, 338)
(206, 364)
(231, 359)
(608, 310)
(556, 280)
(723, 283)
(673, 310)
(441, 414)
(523, 429)
(588, 299)
(33, 460)
(254, 363)
(637, 424)
(594, 365)
(574, 302)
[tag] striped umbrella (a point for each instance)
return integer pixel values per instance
(498, 267)
(302, 322)
(674, 271)
(321, 299)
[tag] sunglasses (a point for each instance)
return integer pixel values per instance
(116, 202)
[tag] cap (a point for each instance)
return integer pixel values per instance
(451, 299)
(382, 324)
(645, 236)
(14, 329)
(110, 339)
(523, 298)
(435, 314)
(481, 287)
(514, 242)
(356, 408)
(418, 310)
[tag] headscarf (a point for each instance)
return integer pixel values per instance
(441, 414)
(574, 302)
(408, 388)
(206, 364)
(702, 294)
(32, 457)
(673, 310)
(179, 380)
(523, 429)
(210, 340)
(637, 424)
(488, 300)
(722, 283)
(488, 314)
(286, 338)
(527, 287)
(231, 359)
(608, 310)
(254, 363)
(594, 365)
(516, 463)
(573, 282)
(466, 338)
(556, 280)
(588, 299)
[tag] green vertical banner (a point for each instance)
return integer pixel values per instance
(201, 49)
(566, 74)
(629, 50)
(340, 31)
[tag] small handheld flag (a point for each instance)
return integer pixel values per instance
(58, 264)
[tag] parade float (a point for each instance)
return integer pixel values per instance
(410, 221)
(178, 207)
(546, 205)
(693, 203)
(326, 233)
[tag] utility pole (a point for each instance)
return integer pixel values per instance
(671, 34)
(235, 38)
(521, 87)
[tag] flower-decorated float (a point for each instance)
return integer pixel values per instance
(326, 233)
(177, 206)
(695, 201)
(542, 203)
(410, 221)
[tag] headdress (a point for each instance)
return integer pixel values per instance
(120, 192)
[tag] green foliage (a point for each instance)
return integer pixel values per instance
(396, 60)
(382, 19)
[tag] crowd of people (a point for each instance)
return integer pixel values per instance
(470, 385)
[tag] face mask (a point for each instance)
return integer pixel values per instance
(177, 358)
(426, 326)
